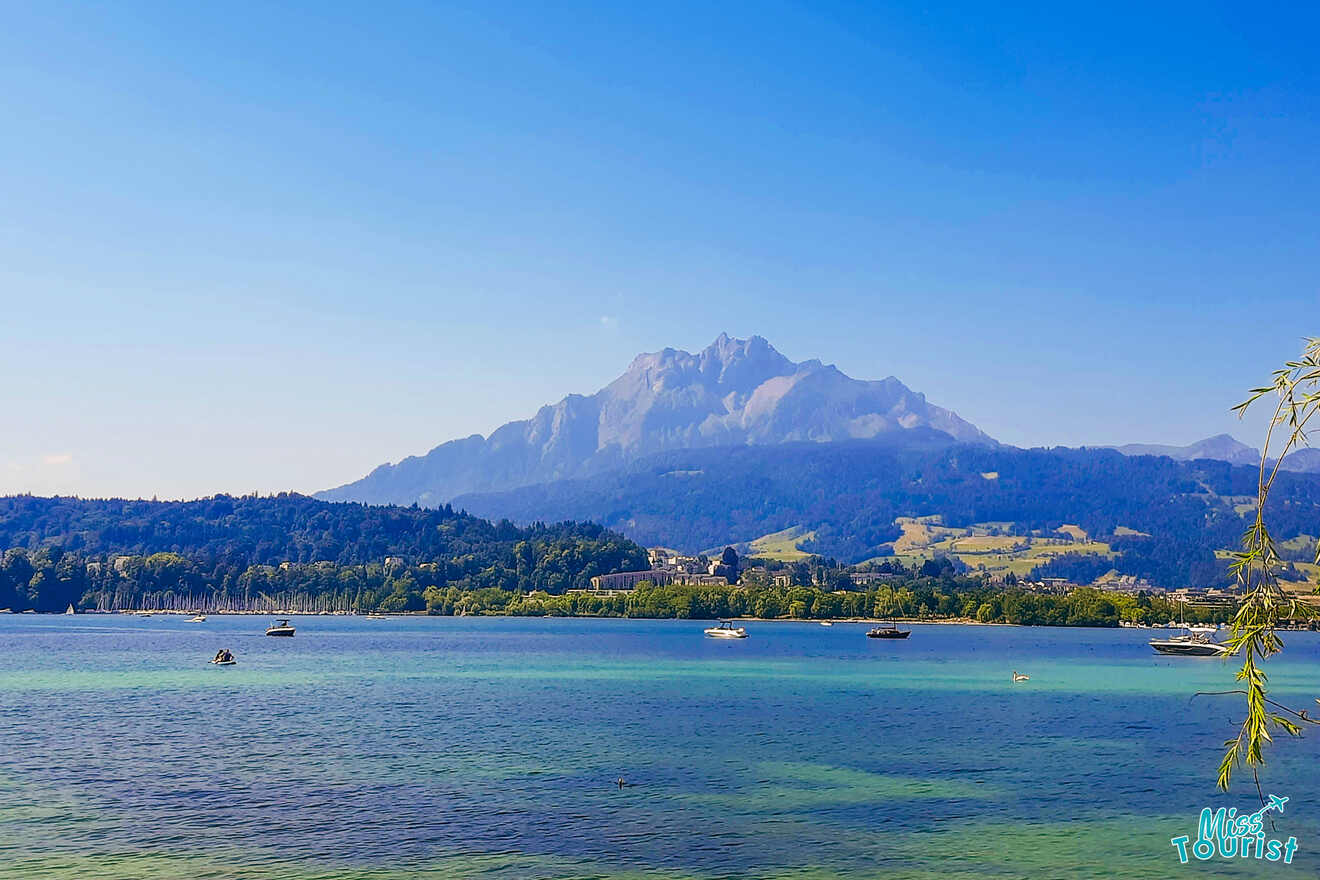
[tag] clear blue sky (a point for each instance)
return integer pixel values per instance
(247, 248)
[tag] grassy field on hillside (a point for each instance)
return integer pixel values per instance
(781, 546)
(986, 547)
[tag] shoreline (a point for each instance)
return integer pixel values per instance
(864, 621)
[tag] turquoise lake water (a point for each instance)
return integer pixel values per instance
(489, 748)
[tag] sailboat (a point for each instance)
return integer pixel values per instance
(888, 631)
(69, 610)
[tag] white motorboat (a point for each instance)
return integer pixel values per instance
(726, 630)
(827, 623)
(280, 628)
(1196, 643)
(201, 618)
(1018, 676)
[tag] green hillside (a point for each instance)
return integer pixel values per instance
(1075, 513)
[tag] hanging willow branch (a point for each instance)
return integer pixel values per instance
(1256, 568)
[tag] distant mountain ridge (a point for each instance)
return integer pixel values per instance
(735, 392)
(1224, 447)
(1162, 519)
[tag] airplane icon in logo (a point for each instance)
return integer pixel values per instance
(1276, 803)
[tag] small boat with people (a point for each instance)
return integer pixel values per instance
(1196, 642)
(280, 628)
(726, 630)
(224, 657)
(888, 631)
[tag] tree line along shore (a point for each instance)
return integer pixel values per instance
(155, 585)
(298, 555)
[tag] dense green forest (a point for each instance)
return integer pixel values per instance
(849, 495)
(235, 550)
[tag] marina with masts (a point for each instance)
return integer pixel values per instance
(199, 605)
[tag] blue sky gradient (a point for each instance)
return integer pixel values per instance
(245, 248)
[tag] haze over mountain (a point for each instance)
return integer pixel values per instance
(1145, 516)
(736, 392)
(1223, 447)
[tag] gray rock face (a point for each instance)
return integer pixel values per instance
(734, 392)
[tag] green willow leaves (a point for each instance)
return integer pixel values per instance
(1264, 603)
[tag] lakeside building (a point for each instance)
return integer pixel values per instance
(871, 578)
(664, 559)
(1204, 597)
(1127, 583)
(702, 580)
(625, 581)
(1048, 586)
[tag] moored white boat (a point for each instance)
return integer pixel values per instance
(280, 628)
(726, 630)
(1197, 643)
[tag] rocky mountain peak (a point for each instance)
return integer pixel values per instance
(733, 392)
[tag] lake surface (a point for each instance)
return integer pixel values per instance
(466, 748)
